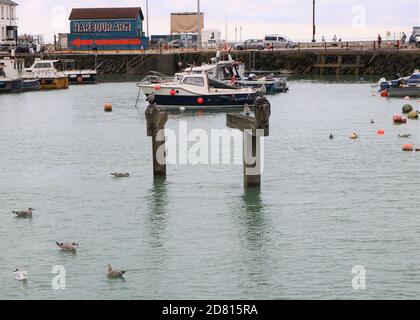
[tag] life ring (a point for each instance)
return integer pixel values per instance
(80, 79)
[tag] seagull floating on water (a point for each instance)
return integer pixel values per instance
(24, 213)
(68, 246)
(331, 136)
(20, 275)
(114, 273)
(120, 175)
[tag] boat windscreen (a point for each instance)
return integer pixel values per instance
(219, 84)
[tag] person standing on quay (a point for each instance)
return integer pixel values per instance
(403, 39)
(379, 41)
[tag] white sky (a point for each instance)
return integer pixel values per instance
(349, 19)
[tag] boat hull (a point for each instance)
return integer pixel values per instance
(271, 87)
(11, 86)
(31, 85)
(54, 83)
(209, 101)
(404, 91)
(78, 78)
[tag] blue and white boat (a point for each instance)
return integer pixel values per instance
(233, 72)
(197, 92)
(10, 81)
(402, 86)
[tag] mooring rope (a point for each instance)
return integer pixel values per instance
(137, 102)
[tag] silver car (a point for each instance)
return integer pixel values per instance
(249, 44)
(278, 41)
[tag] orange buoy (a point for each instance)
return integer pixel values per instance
(172, 92)
(200, 100)
(408, 147)
(384, 93)
(398, 119)
(381, 132)
(157, 87)
(108, 107)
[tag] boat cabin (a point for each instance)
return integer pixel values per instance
(42, 66)
(222, 71)
(11, 68)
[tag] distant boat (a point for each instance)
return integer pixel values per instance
(10, 80)
(402, 86)
(233, 72)
(197, 92)
(86, 76)
(47, 74)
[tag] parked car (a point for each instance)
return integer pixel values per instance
(4, 47)
(25, 48)
(250, 44)
(278, 41)
(176, 44)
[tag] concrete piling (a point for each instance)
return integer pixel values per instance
(253, 129)
(156, 120)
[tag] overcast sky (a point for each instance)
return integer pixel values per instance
(349, 19)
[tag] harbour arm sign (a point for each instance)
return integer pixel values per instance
(108, 26)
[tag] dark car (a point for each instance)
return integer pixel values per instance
(4, 47)
(25, 48)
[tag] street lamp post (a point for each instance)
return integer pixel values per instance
(313, 23)
(198, 25)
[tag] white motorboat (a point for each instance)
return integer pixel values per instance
(197, 92)
(49, 77)
(233, 72)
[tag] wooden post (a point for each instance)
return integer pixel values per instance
(339, 63)
(321, 70)
(358, 62)
(253, 129)
(156, 120)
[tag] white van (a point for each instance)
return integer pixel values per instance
(278, 41)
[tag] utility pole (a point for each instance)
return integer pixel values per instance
(240, 34)
(198, 25)
(313, 24)
(147, 17)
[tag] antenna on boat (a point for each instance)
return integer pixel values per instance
(191, 67)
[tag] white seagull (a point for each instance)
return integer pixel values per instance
(20, 275)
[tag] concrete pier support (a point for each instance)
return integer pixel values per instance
(156, 121)
(253, 128)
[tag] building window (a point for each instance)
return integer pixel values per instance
(12, 16)
(2, 12)
(7, 13)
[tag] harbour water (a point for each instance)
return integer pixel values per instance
(325, 205)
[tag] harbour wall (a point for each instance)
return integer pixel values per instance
(381, 63)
